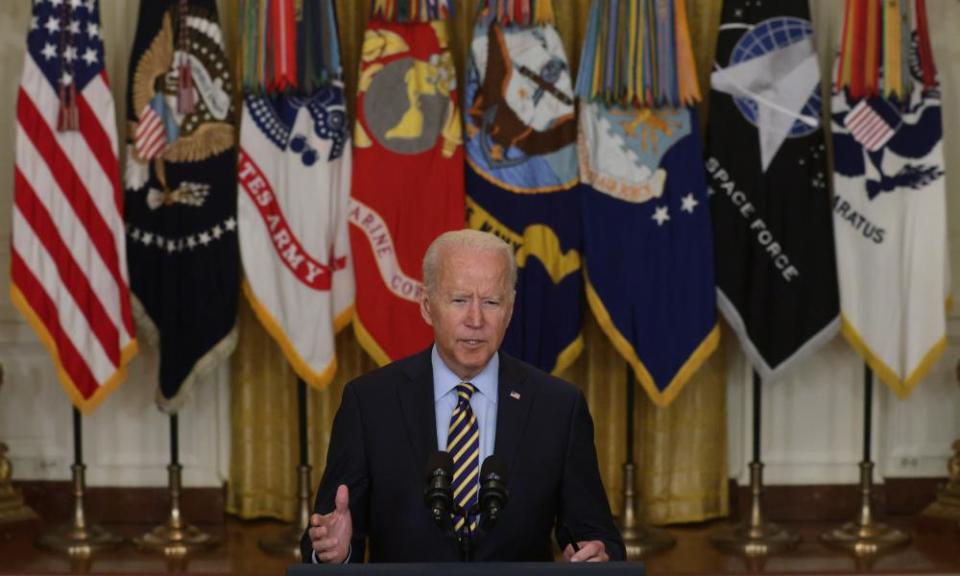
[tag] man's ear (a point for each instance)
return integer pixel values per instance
(425, 310)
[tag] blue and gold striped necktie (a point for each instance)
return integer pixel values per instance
(463, 444)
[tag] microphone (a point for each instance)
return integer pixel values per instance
(437, 495)
(493, 490)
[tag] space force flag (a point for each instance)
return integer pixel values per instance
(766, 166)
(294, 185)
(407, 171)
(890, 208)
(522, 182)
(68, 268)
(181, 191)
(648, 241)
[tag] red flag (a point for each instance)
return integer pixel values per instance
(407, 179)
(68, 259)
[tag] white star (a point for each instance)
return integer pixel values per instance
(33, 23)
(70, 54)
(52, 25)
(56, 3)
(49, 51)
(689, 203)
(217, 232)
(191, 242)
(91, 4)
(74, 27)
(66, 79)
(171, 246)
(90, 56)
(76, 4)
(231, 223)
(204, 238)
(661, 215)
(135, 234)
(93, 30)
(147, 238)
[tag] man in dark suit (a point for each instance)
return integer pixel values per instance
(466, 396)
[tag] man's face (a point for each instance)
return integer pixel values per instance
(471, 308)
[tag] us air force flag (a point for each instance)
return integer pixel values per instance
(294, 178)
(767, 171)
(181, 195)
(407, 173)
(890, 220)
(649, 245)
(522, 182)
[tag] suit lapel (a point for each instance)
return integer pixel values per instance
(417, 405)
(514, 398)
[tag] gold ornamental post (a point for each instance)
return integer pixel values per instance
(12, 507)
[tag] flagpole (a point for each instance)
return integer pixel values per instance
(77, 539)
(864, 536)
(757, 537)
(175, 538)
(287, 544)
(640, 540)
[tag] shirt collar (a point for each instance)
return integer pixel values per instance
(444, 380)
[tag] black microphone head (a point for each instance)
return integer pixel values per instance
(493, 495)
(493, 467)
(439, 461)
(437, 494)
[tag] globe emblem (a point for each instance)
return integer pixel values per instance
(768, 36)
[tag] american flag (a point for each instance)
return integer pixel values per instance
(872, 123)
(68, 259)
(150, 138)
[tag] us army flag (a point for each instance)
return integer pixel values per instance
(522, 182)
(407, 174)
(181, 194)
(767, 170)
(890, 208)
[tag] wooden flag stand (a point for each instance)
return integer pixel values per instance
(641, 541)
(287, 544)
(864, 536)
(757, 537)
(77, 539)
(175, 538)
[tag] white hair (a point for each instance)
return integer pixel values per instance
(466, 238)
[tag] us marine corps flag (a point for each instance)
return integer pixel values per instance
(648, 242)
(181, 195)
(407, 172)
(767, 170)
(890, 206)
(294, 185)
(522, 182)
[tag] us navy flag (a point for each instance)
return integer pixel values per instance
(522, 180)
(181, 195)
(767, 171)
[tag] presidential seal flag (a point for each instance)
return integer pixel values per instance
(407, 171)
(181, 194)
(294, 186)
(766, 163)
(68, 268)
(522, 181)
(890, 208)
(648, 241)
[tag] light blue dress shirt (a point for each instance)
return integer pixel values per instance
(483, 402)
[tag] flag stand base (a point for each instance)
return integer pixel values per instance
(287, 544)
(77, 539)
(864, 536)
(758, 537)
(641, 541)
(175, 537)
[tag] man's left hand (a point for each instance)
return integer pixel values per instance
(590, 551)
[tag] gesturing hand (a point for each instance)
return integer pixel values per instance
(330, 533)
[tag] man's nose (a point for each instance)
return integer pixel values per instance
(475, 315)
